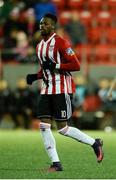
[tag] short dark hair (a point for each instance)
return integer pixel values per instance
(51, 16)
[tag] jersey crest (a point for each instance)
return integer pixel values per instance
(69, 51)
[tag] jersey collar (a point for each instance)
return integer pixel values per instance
(49, 38)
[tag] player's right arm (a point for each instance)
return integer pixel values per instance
(30, 78)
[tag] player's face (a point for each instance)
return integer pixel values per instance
(46, 26)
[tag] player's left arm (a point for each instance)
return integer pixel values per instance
(69, 60)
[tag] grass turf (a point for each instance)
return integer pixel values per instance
(22, 156)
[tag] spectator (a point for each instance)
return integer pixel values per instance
(30, 25)
(113, 91)
(113, 104)
(78, 99)
(76, 29)
(108, 107)
(4, 95)
(24, 103)
(44, 6)
(23, 49)
(6, 102)
(81, 91)
(103, 89)
(12, 22)
(5, 9)
(9, 44)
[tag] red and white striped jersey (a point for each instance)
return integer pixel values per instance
(59, 51)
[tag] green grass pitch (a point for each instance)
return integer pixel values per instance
(22, 156)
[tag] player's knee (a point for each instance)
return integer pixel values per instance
(43, 126)
(64, 130)
(61, 125)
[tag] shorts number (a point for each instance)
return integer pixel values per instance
(63, 114)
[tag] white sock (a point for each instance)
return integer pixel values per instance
(77, 134)
(49, 142)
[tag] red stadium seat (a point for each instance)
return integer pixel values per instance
(95, 35)
(86, 18)
(76, 4)
(112, 6)
(84, 51)
(94, 5)
(104, 19)
(113, 53)
(91, 103)
(1, 36)
(111, 35)
(102, 53)
(1, 31)
(64, 17)
(59, 3)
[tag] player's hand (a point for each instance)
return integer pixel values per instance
(30, 78)
(49, 64)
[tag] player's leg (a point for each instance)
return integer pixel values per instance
(44, 114)
(64, 112)
(82, 137)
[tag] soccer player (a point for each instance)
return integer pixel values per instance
(57, 60)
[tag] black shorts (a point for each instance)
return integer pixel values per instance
(58, 106)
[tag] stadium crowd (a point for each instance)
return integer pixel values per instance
(91, 109)
(90, 26)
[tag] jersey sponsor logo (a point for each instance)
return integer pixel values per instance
(69, 51)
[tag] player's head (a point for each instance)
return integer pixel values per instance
(48, 24)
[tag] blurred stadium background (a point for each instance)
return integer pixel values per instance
(90, 26)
